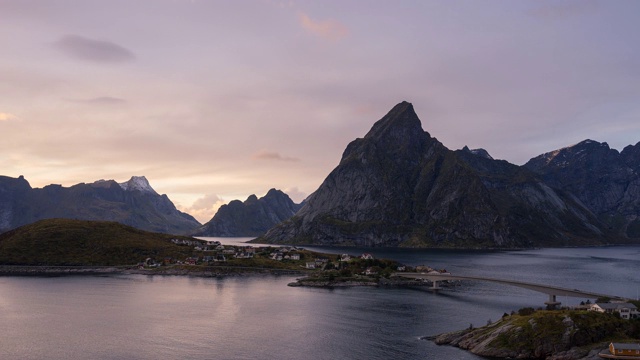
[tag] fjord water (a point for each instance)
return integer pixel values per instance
(260, 317)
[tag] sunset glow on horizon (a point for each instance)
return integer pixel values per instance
(214, 101)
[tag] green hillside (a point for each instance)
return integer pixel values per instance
(79, 242)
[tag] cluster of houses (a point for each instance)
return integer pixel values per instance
(285, 253)
(222, 253)
(626, 310)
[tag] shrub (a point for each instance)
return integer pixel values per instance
(526, 311)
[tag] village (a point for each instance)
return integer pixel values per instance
(213, 253)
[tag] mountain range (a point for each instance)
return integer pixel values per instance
(132, 203)
(398, 186)
(253, 217)
(604, 180)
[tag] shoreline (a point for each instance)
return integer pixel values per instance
(381, 282)
(208, 271)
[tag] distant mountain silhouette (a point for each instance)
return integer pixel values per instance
(604, 180)
(132, 203)
(250, 218)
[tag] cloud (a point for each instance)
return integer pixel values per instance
(295, 194)
(7, 117)
(204, 208)
(327, 29)
(93, 50)
(102, 100)
(270, 155)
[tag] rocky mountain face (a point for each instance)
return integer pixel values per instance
(250, 218)
(398, 186)
(606, 181)
(132, 203)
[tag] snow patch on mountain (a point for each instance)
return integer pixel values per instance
(139, 183)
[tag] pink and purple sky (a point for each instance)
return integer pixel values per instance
(216, 100)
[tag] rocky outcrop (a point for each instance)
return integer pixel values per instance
(253, 217)
(133, 203)
(398, 186)
(606, 181)
(552, 336)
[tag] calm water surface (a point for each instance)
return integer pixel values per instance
(259, 317)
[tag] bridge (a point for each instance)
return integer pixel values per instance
(552, 291)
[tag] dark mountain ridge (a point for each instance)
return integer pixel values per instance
(606, 181)
(398, 186)
(132, 203)
(250, 218)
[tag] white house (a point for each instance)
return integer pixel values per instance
(626, 310)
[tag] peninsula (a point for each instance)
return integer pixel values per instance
(546, 334)
(64, 246)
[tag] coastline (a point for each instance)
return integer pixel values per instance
(549, 335)
(195, 271)
(381, 282)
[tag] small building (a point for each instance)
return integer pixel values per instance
(191, 261)
(402, 268)
(621, 349)
(626, 310)
(370, 271)
(294, 256)
(423, 269)
(345, 257)
(366, 256)
(311, 265)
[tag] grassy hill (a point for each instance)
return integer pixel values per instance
(79, 242)
(541, 334)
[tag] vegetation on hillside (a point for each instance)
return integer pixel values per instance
(78, 242)
(531, 334)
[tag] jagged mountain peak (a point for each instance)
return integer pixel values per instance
(479, 152)
(400, 124)
(132, 203)
(580, 152)
(250, 218)
(139, 183)
(398, 186)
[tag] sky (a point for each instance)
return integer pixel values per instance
(214, 101)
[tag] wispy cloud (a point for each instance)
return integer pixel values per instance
(327, 29)
(102, 100)
(7, 117)
(271, 155)
(204, 208)
(295, 194)
(100, 51)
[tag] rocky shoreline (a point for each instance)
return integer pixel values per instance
(562, 336)
(322, 283)
(466, 340)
